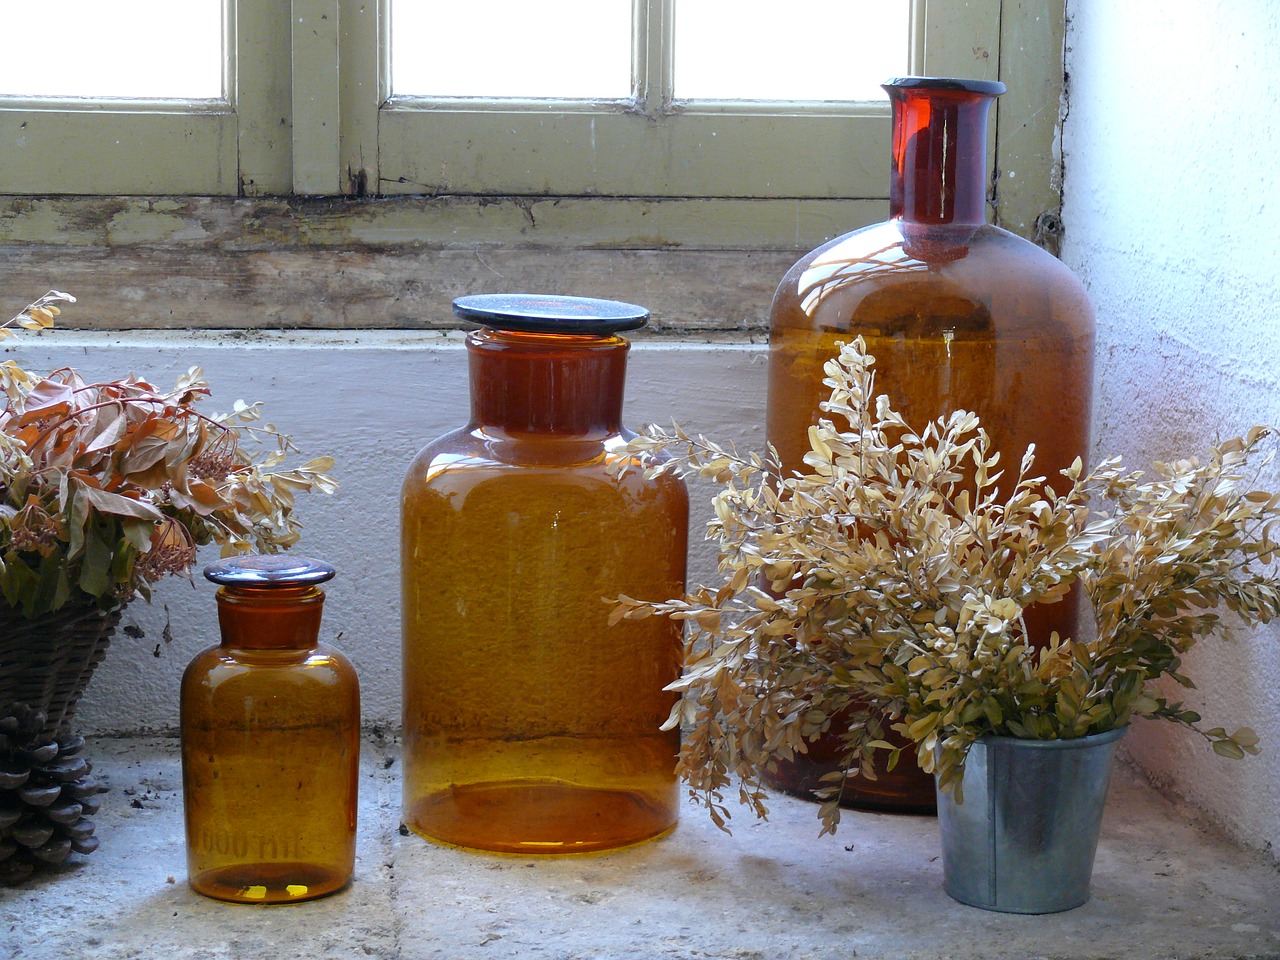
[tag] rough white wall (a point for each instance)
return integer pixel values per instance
(372, 401)
(1172, 213)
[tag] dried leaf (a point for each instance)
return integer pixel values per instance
(105, 487)
(114, 503)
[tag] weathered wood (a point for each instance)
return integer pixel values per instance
(316, 102)
(178, 287)
(200, 262)
(615, 223)
(73, 150)
(1028, 180)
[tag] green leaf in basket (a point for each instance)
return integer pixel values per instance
(95, 569)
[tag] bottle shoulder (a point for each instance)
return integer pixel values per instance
(462, 459)
(230, 661)
(892, 274)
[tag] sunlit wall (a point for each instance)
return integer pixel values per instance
(1172, 213)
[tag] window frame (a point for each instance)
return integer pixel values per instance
(322, 77)
(276, 137)
(223, 147)
(655, 146)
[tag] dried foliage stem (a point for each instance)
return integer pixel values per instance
(888, 582)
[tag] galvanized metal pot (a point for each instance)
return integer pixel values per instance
(1024, 838)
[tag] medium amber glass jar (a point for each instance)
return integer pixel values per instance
(530, 724)
(959, 314)
(270, 741)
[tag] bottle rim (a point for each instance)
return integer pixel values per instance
(991, 88)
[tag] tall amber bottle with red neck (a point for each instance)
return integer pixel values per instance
(959, 314)
(530, 724)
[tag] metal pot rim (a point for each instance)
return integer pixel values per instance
(1074, 743)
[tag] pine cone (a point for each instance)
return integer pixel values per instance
(45, 795)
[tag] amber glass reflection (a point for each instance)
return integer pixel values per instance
(959, 314)
(270, 749)
(530, 724)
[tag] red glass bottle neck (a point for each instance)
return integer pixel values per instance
(939, 155)
(536, 383)
(270, 618)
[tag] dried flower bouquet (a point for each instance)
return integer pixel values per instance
(107, 487)
(890, 579)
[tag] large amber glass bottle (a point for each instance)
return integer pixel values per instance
(959, 314)
(270, 741)
(530, 724)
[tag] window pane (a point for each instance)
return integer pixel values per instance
(812, 50)
(579, 49)
(162, 49)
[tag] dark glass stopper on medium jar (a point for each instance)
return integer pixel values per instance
(530, 724)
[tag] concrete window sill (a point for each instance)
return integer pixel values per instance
(1164, 886)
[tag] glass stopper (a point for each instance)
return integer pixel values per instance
(269, 570)
(990, 88)
(538, 313)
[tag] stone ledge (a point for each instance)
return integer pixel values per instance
(1163, 887)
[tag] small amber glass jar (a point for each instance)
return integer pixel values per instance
(270, 741)
(531, 725)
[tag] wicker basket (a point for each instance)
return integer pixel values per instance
(46, 793)
(46, 663)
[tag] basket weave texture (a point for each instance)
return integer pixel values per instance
(46, 663)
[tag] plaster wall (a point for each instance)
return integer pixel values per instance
(1172, 212)
(372, 401)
